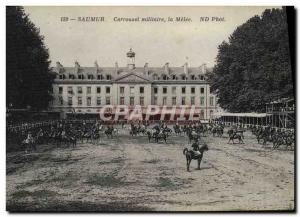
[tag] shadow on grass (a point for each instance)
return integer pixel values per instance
(75, 206)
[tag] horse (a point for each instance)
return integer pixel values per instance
(192, 155)
(157, 135)
(234, 136)
(29, 144)
(177, 130)
(109, 132)
(133, 131)
(69, 140)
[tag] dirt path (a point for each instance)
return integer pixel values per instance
(131, 174)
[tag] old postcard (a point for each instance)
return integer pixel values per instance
(150, 109)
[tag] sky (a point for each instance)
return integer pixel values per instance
(156, 43)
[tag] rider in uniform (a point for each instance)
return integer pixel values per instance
(195, 147)
(29, 138)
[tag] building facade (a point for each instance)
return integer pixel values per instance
(85, 90)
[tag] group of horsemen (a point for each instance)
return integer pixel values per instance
(64, 132)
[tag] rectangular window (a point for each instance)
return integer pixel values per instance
(70, 102)
(183, 101)
(192, 100)
(107, 89)
(61, 101)
(165, 90)
(107, 100)
(202, 114)
(155, 100)
(173, 90)
(79, 90)
(60, 90)
(122, 90)
(122, 101)
(88, 90)
(202, 100)
(141, 89)
(211, 101)
(131, 90)
(81, 77)
(71, 76)
(202, 90)
(70, 90)
(173, 100)
(88, 101)
(98, 89)
(155, 90)
(98, 100)
(141, 100)
(164, 100)
(131, 101)
(90, 77)
(79, 100)
(192, 90)
(183, 90)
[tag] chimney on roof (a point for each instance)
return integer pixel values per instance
(166, 68)
(185, 68)
(117, 67)
(96, 66)
(77, 67)
(146, 69)
(59, 67)
(203, 68)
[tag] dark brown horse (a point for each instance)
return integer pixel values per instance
(193, 155)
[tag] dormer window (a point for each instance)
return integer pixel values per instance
(80, 76)
(174, 77)
(183, 77)
(202, 77)
(193, 77)
(62, 76)
(108, 77)
(90, 77)
(164, 77)
(71, 76)
(155, 77)
(100, 77)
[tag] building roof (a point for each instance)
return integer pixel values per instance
(146, 72)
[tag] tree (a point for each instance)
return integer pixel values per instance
(253, 67)
(28, 78)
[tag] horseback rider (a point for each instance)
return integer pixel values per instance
(195, 147)
(29, 138)
(63, 134)
(40, 133)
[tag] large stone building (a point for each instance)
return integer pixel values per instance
(82, 90)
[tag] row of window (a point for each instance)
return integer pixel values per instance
(109, 77)
(81, 77)
(141, 101)
(132, 89)
(174, 89)
(88, 101)
(79, 90)
(181, 77)
(183, 100)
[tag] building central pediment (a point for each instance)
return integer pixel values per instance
(132, 78)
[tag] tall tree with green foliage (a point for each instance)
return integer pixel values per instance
(28, 81)
(253, 67)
